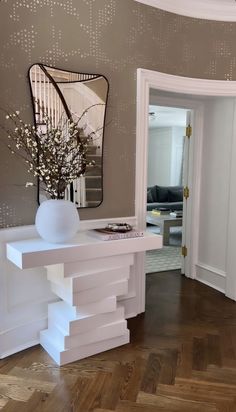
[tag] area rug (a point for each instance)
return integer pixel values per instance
(167, 258)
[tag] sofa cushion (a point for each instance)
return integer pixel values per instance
(162, 194)
(153, 193)
(175, 194)
(149, 196)
(171, 205)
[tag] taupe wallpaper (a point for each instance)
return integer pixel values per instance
(114, 38)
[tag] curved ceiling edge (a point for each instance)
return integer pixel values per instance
(221, 10)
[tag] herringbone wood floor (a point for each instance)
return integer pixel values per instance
(182, 358)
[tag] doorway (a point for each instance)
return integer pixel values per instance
(166, 176)
(217, 269)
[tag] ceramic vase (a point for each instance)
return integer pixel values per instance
(57, 221)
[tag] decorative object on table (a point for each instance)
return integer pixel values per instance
(116, 231)
(57, 220)
(110, 234)
(176, 213)
(119, 227)
(57, 156)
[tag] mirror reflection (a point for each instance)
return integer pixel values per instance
(82, 98)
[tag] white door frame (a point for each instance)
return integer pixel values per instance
(194, 174)
(146, 80)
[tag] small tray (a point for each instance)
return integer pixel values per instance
(119, 227)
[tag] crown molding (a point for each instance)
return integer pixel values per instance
(221, 10)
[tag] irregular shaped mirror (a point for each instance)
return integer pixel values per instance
(81, 98)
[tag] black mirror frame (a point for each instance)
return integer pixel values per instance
(68, 114)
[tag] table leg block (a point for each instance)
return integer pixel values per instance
(62, 357)
(92, 294)
(104, 332)
(81, 324)
(86, 321)
(90, 280)
(102, 306)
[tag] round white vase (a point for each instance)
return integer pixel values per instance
(57, 221)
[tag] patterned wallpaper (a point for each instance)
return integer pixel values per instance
(114, 38)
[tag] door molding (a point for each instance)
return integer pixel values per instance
(202, 9)
(194, 88)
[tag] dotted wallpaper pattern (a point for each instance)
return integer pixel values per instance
(113, 38)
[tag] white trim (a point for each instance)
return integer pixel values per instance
(146, 80)
(141, 178)
(211, 276)
(202, 9)
(194, 175)
(21, 337)
(187, 85)
(211, 269)
(231, 237)
(195, 162)
(19, 348)
(143, 88)
(205, 282)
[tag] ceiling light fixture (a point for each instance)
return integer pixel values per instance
(152, 115)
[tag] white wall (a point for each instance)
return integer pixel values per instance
(177, 155)
(215, 191)
(159, 156)
(165, 150)
(24, 298)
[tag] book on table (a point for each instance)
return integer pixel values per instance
(106, 234)
(161, 211)
(177, 213)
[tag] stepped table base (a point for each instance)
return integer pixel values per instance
(88, 275)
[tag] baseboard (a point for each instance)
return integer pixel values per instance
(211, 276)
(21, 337)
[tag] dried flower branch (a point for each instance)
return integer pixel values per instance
(57, 155)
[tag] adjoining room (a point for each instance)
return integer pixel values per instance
(166, 158)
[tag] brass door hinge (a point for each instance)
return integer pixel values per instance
(186, 192)
(189, 131)
(184, 251)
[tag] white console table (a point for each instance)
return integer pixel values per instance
(88, 275)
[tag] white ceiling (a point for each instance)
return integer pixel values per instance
(166, 116)
(224, 10)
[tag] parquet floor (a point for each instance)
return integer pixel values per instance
(182, 358)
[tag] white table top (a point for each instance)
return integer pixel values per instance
(36, 252)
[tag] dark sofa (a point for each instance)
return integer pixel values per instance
(170, 197)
